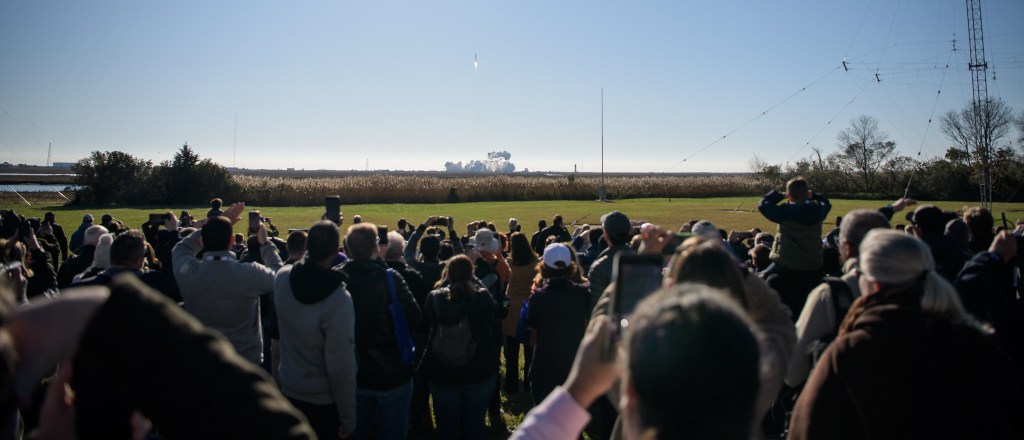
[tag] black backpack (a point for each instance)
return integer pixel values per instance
(842, 299)
(453, 344)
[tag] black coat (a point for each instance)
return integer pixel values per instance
(43, 281)
(949, 259)
(380, 364)
(75, 265)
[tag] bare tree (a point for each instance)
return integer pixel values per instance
(976, 129)
(770, 173)
(864, 148)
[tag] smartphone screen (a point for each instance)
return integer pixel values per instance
(382, 235)
(635, 277)
(157, 219)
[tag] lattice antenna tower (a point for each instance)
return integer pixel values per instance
(979, 84)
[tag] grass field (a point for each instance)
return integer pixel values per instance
(727, 213)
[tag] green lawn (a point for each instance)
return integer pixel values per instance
(726, 213)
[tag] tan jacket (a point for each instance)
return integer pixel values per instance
(519, 284)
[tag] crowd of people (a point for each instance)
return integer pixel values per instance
(184, 329)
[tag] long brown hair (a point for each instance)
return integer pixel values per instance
(520, 250)
(459, 275)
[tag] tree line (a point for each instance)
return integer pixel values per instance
(867, 165)
(116, 177)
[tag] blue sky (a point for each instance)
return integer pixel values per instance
(337, 84)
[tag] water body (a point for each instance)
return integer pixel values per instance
(33, 175)
(35, 187)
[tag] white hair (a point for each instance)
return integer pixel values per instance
(101, 258)
(894, 259)
(396, 245)
(93, 234)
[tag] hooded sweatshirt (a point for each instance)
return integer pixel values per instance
(317, 324)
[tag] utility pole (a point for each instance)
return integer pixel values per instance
(979, 85)
(601, 194)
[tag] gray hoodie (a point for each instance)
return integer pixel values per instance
(317, 324)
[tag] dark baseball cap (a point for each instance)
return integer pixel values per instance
(616, 224)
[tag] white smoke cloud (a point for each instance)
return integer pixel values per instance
(496, 162)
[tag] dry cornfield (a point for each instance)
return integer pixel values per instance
(406, 188)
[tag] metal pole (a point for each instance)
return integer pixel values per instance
(58, 192)
(19, 195)
(602, 194)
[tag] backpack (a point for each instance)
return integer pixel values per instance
(842, 299)
(776, 422)
(453, 344)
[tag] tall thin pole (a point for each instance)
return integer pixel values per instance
(234, 145)
(601, 193)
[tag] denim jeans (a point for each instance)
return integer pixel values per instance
(393, 406)
(460, 409)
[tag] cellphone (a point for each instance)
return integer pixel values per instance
(382, 234)
(157, 219)
(441, 221)
(635, 277)
(254, 221)
(333, 204)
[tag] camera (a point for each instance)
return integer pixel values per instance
(185, 220)
(441, 221)
(157, 219)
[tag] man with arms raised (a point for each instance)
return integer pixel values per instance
(220, 291)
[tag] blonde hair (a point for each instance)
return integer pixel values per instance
(894, 259)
